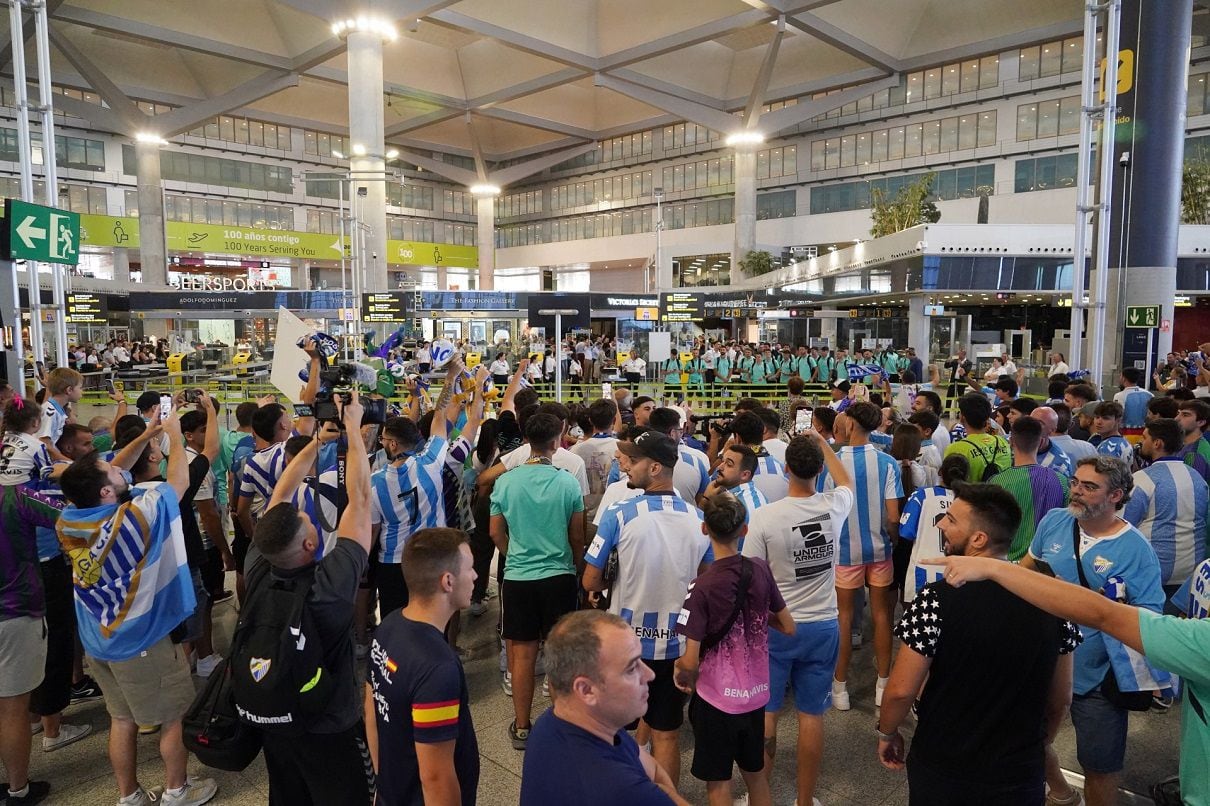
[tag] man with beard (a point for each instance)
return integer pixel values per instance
(1089, 544)
(1001, 759)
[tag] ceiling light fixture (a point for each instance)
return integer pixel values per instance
(365, 24)
(745, 138)
(150, 137)
(485, 190)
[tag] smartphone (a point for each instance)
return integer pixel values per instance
(802, 420)
(165, 407)
(110, 387)
(607, 390)
(193, 395)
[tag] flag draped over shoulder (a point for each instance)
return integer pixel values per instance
(132, 581)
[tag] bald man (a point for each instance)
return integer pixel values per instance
(1049, 454)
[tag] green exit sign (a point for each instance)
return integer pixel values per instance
(1145, 316)
(42, 234)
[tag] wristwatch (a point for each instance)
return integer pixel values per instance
(885, 737)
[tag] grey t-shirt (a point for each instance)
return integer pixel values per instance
(797, 538)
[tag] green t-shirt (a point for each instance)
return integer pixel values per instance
(1182, 646)
(537, 501)
(979, 449)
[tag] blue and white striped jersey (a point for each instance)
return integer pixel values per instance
(864, 538)
(1134, 401)
(261, 472)
(691, 474)
(750, 497)
(1168, 506)
(1056, 459)
(408, 497)
(1116, 445)
(920, 523)
(770, 476)
(660, 544)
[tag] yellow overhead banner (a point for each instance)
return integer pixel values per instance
(123, 231)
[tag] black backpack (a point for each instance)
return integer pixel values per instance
(990, 468)
(278, 676)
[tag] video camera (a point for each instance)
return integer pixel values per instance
(722, 427)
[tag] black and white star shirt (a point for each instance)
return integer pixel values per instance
(920, 627)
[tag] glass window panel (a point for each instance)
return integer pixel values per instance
(691, 176)
(1048, 118)
(895, 143)
(241, 131)
(950, 79)
(789, 161)
(1027, 122)
(989, 71)
(932, 83)
(863, 149)
(915, 87)
(1195, 100)
(931, 137)
(1028, 63)
(878, 150)
(911, 145)
(226, 128)
(309, 142)
(1046, 173)
(848, 150)
(964, 182)
(678, 177)
(212, 129)
(987, 128)
(1051, 62)
(970, 75)
(949, 134)
(762, 165)
(714, 172)
(1069, 115)
(968, 131)
(945, 186)
(1073, 54)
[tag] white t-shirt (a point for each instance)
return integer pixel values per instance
(1060, 368)
(424, 356)
(563, 459)
(597, 454)
(797, 538)
(499, 367)
(776, 448)
(635, 364)
(121, 354)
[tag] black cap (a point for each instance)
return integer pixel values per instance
(652, 445)
(147, 400)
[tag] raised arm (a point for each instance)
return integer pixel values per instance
(836, 469)
(212, 445)
(355, 522)
(178, 462)
(514, 386)
(127, 456)
(295, 472)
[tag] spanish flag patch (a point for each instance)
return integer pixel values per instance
(434, 714)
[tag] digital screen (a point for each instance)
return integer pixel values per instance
(87, 309)
(681, 307)
(387, 306)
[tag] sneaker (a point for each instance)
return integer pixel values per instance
(36, 792)
(1075, 799)
(86, 689)
(840, 697)
(519, 736)
(1161, 703)
(140, 797)
(880, 687)
(195, 792)
(148, 730)
(478, 609)
(207, 665)
(855, 640)
(222, 596)
(545, 688)
(67, 735)
(506, 683)
(540, 663)
(742, 800)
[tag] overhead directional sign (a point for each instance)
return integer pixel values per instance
(87, 309)
(389, 306)
(43, 234)
(1146, 316)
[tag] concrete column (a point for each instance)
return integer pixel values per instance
(443, 277)
(153, 248)
(918, 331)
(121, 265)
(1146, 188)
(486, 240)
(366, 162)
(745, 204)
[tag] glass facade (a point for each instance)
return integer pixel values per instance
(957, 183)
(959, 133)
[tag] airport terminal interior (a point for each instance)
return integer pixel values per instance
(949, 176)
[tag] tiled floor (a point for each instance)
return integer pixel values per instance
(80, 773)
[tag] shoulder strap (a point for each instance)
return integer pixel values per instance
(741, 598)
(1075, 543)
